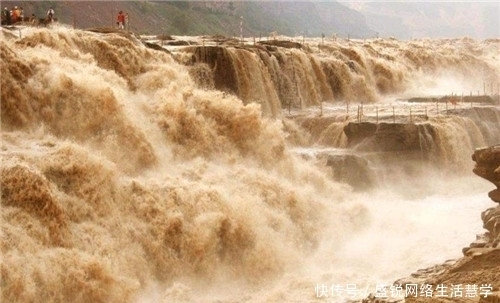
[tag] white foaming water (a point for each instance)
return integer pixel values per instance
(393, 237)
(124, 182)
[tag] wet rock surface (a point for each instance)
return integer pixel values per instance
(488, 167)
(421, 136)
(282, 43)
(384, 136)
(353, 170)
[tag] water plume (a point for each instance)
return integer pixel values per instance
(125, 180)
(119, 178)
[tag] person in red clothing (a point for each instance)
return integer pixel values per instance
(120, 20)
(15, 15)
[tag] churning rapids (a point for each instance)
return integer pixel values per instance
(128, 178)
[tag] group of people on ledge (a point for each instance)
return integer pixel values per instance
(16, 15)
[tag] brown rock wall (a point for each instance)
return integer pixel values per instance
(488, 167)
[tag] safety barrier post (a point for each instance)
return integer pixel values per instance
(361, 109)
(241, 29)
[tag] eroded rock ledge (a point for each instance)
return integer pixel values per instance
(488, 166)
(481, 262)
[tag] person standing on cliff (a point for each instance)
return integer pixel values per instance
(120, 20)
(6, 18)
(33, 19)
(50, 15)
(21, 14)
(15, 15)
